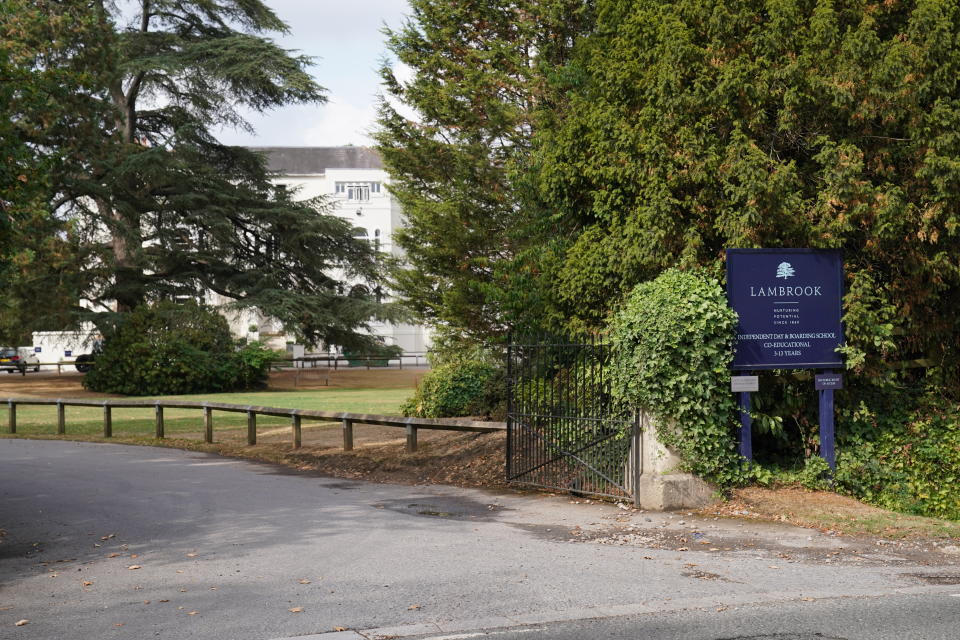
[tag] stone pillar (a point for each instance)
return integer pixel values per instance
(661, 487)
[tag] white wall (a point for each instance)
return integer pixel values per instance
(54, 345)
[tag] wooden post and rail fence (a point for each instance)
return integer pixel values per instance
(346, 420)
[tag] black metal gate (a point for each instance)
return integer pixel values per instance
(563, 431)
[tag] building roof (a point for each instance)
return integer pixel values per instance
(316, 160)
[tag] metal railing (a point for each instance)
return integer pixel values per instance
(336, 361)
(347, 420)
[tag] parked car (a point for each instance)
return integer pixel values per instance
(13, 359)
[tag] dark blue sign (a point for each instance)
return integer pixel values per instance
(789, 306)
(828, 381)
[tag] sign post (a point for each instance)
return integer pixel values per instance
(825, 384)
(744, 385)
(788, 302)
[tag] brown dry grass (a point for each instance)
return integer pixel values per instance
(830, 512)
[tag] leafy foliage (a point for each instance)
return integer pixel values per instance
(672, 347)
(376, 355)
(694, 126)
(467, 388)
(171, 349)
(51, 55)
(907, 459)
(157, 208)
(480, 86)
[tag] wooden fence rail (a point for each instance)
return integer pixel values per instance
(347, 420)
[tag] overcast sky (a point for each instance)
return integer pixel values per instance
(344, 38)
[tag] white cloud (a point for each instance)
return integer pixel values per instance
(340, 123)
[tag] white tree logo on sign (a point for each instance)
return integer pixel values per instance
(784, 270)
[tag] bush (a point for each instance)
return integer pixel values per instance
(910, 465)
(169, 349)
(373, 355)
(458, 389)
(672, 348)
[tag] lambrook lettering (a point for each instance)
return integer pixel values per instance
(758, 292)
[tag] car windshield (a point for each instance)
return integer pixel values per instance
(7, 352)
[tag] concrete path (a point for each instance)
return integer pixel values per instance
(112, 541)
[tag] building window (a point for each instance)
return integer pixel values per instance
(356, 191)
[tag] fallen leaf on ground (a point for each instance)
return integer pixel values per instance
(107, 537)
(118, 624)
(722, 608)
(86, 583)
(134, 555)
(192, 613)
(683, 549)
(295, 609)
(164, 601)
(146, 602)
(303, 581)
(773, 566)
(182, 590)
(191, 555)
(20, 623)
(648, 557)
(807, 599)
(414, 607)
(179, 570)
(113, 555)
(133, 566)
(339, 628)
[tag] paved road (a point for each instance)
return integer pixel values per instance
(226, 549)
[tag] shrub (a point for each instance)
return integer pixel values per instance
(457, 389)
(911, 465)
(169, 348)
(376, 354)
(672, 347)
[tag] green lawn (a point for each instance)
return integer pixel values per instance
(89, 420)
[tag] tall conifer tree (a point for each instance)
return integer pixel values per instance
(162, 209)
(483, 81)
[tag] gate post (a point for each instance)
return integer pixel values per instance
(636, 458)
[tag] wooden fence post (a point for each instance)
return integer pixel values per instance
(12, 415)
(411, 438)
(251, 427)
(296, 432)
(208, 425)
(61, 419)
(347, 435)
(107, 421)
(159, 414)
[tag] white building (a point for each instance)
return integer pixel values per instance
(353, 178)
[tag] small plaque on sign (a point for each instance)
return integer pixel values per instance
(828, 381)
(744, 383)
(68, 353)
(36, 349)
